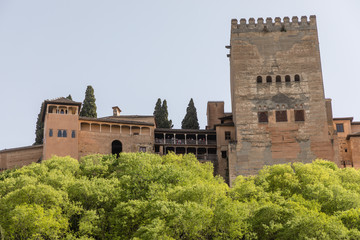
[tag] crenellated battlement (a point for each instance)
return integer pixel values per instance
(270, 25)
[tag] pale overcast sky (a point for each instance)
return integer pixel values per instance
(133, 52)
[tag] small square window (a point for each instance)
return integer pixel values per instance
(263, 117)
(227, 135)
(340, 127)
(281, 116)
(224, 154)
(142, 149)
(299, 115)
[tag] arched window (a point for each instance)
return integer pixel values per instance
(268, 79)
(297, 78)
(62, 111)
(59, 133)
(64, 133)
(116, 147)
(278, 78)
(287, 78)
(259, 79)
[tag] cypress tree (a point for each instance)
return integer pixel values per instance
(157, 113)
(89, 107)
(190, 120)
(39, 130)
(164, 116)
(69, 97)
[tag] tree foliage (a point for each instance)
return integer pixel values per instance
(146, 196)
(190, 120)
(161, 114)
(89, 107)
(39, 129)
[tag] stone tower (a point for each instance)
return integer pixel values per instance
(277, 93)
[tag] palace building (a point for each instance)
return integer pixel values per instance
(279, 112)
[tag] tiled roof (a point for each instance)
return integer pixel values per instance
(357, 134)
(111, 120)
(63, 100)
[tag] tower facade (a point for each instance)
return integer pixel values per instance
(61, 117)
(278, 104)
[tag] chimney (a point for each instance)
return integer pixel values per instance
(116, 111)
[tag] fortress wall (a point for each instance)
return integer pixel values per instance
(19, 157)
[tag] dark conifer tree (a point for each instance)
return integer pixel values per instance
(39, 131)
(157, 113)
(164, 115)
(69, 97)
(190, 120)
(89, 107)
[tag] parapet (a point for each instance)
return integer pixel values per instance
(273, 26)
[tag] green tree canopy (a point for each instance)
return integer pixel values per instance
(147, 196)
(89, 107)
(190, 120)
(69, 97)
(161, 115)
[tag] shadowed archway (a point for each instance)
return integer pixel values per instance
(116, 147)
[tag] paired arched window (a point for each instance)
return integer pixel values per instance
(287, 78)
(259, 79)
(278, 78)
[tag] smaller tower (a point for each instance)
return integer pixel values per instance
(60, 118)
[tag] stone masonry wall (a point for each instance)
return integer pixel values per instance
(277, 50)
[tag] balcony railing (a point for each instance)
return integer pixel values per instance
(209, 157)
(183, 142)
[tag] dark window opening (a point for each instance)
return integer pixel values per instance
(50, 133)
(227, 135)
(64, 133)
(297, 78)
(116, 147)
(263, 117)
(345, 149)
(340, 127)
(224, 154)
(73, 134)
(281, 116)
(142, 149)
(259, 79)
(299, 115)
(278, 78)
(157, 148)
(59, 133)
(62, 111)
(287, 78)
(268, 79)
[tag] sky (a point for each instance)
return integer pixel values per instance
(134, 52)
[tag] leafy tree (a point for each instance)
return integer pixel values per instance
(147, 196)
(89, 107)
(190, 120)
(39, 130)
(161, 115)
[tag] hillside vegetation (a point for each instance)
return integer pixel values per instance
(145, 196)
